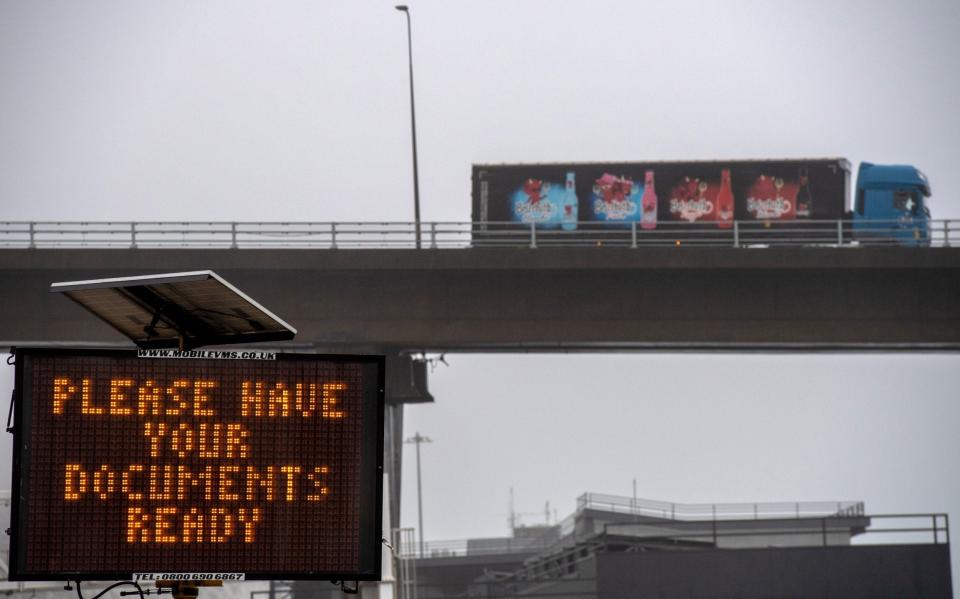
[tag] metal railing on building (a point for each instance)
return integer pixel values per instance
(718, 511)
(884, 529)
(619, 505)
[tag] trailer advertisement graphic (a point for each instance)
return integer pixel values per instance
(576, 197)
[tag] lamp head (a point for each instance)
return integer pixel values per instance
(401, 7)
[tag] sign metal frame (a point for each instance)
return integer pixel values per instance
(371, 475)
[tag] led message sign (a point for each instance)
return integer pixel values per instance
(267, 467)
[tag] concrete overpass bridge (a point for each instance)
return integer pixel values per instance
(528, 299)
(521, 299)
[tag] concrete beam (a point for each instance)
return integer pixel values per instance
(563, 299)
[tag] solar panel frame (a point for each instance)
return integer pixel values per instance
(177, 310)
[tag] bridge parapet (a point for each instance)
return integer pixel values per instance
(456, 235)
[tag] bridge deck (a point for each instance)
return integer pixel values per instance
(555, 299)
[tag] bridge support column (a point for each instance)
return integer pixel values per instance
(406, 384)
(393, 457)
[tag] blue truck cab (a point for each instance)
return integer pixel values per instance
(890, 204)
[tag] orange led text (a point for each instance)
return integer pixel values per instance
(224, 483)
(127, 397)
(191, 525)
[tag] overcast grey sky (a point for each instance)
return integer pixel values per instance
(238, 110)
(299, 110)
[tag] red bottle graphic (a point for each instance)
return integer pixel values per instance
(648, 203)
(725, 201)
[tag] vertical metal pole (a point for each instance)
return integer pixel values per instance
(418, 439)
(333, 236)
(133, 235)
(233, 235)
(633, 244)
(736, 233)
(839, 231)
(946, 233)
(413, 129)
(433, 235)
(933, 517)
(419, 499)
(533, 235)
(33, 241)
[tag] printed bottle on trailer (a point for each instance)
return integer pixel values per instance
(570, 205)
(725, 201)
(648, 203)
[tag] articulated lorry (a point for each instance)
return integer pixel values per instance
(702, 198)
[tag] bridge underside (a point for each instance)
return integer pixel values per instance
(537, 300)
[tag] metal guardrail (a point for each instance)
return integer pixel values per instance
(441, 235)
(913, 529)
(674, 512)
(485, 546)
(718, 511)
(881, 529)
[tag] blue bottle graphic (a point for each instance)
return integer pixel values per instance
(570, 206)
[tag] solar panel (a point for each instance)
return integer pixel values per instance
(185, 310)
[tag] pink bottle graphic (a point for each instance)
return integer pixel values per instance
(725, 201)
(648, 203)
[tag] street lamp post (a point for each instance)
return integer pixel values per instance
(413, 127)
(418, 439)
